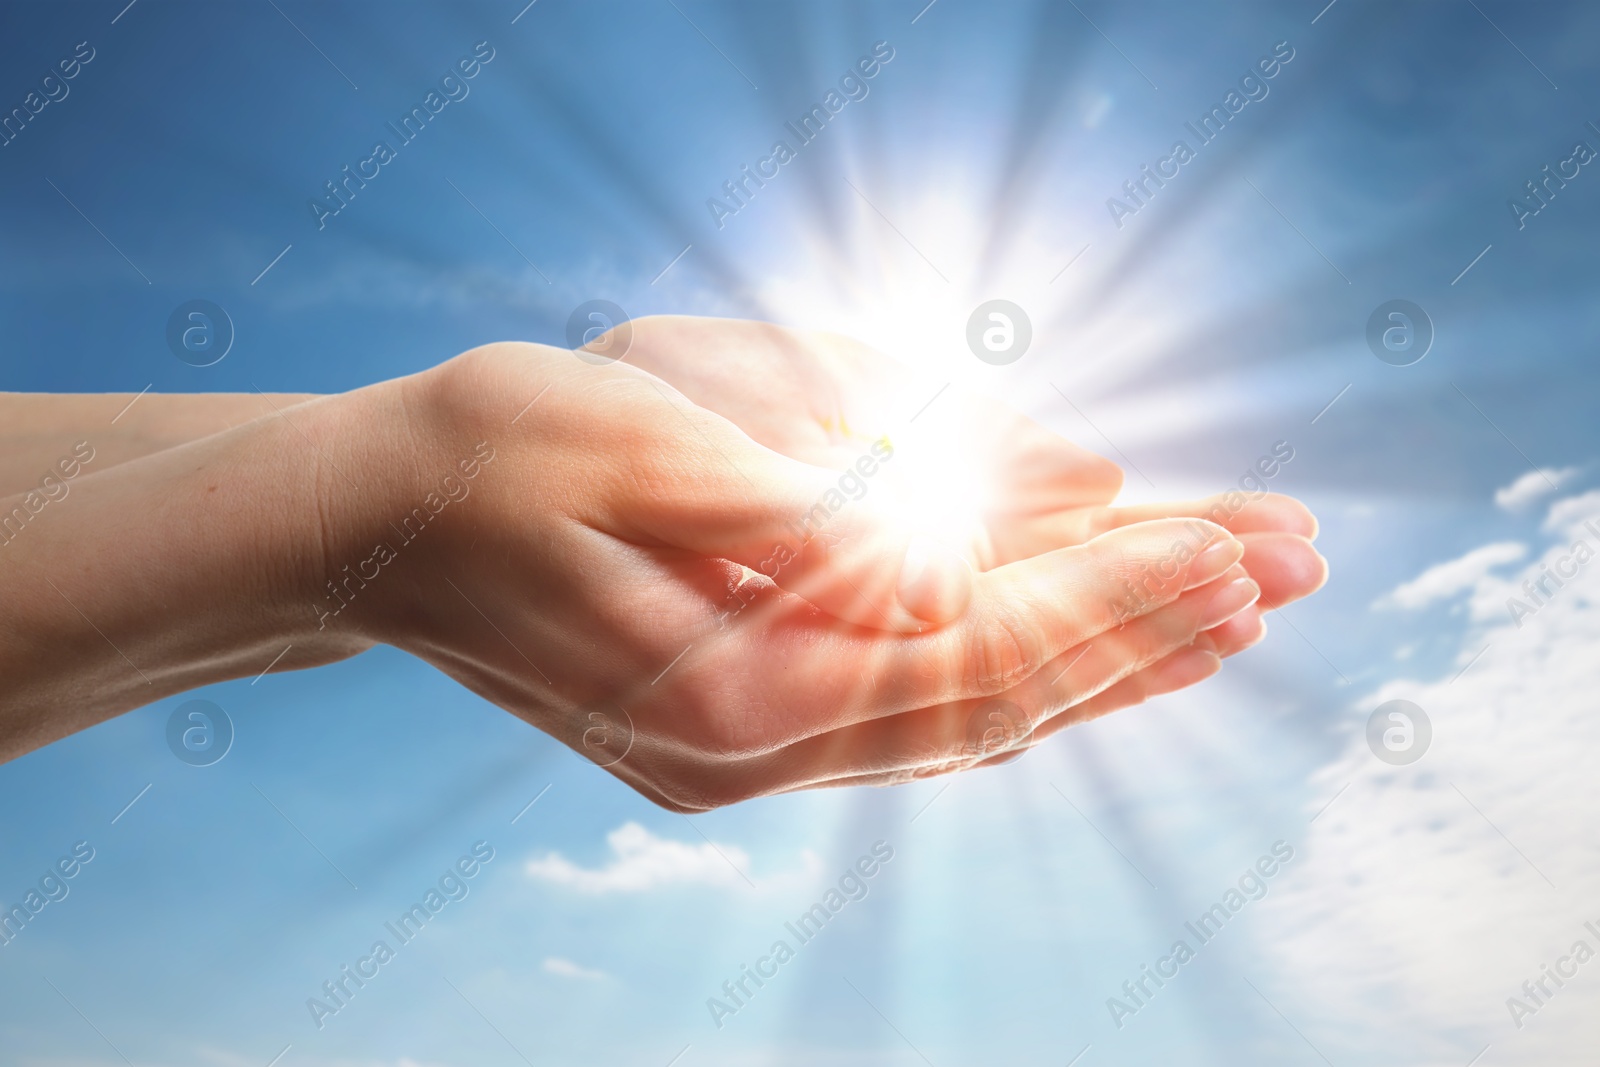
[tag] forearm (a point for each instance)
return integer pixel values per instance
(38, 429)
(192, 565)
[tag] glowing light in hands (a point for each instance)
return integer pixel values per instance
(937, 483)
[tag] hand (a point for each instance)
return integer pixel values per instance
(580, 579)
(819, 397)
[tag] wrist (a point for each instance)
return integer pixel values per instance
(403, 507)
(175, 570)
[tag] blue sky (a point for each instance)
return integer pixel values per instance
(1222, 317)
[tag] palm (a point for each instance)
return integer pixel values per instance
(822, 399)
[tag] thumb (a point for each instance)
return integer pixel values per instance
(818, 533)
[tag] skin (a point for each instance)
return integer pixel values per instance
(575, 542)
(818, 397)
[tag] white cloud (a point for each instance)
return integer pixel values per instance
(1445, 580)
(644, 862)
(1571, 513)
(1531, 486)
(1422, 904)
(568, 969)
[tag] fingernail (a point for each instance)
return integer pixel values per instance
(1229, 601)
(1213, 562)
(935, 582)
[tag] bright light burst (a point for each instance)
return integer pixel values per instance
(938, 484)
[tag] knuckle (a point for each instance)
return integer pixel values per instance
(475, 388)
(1003, 652)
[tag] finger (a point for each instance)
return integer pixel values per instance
(1178, 670)
(710, 489)
(1041, 471)
(1243, 631)
(1235, 512)
(1285, 564)
(1181, 669)
(1021, 617)
(957, 733)
(1117, 655)
(1287, 568)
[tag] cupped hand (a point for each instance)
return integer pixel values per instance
(816, 397)
(587, 577)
